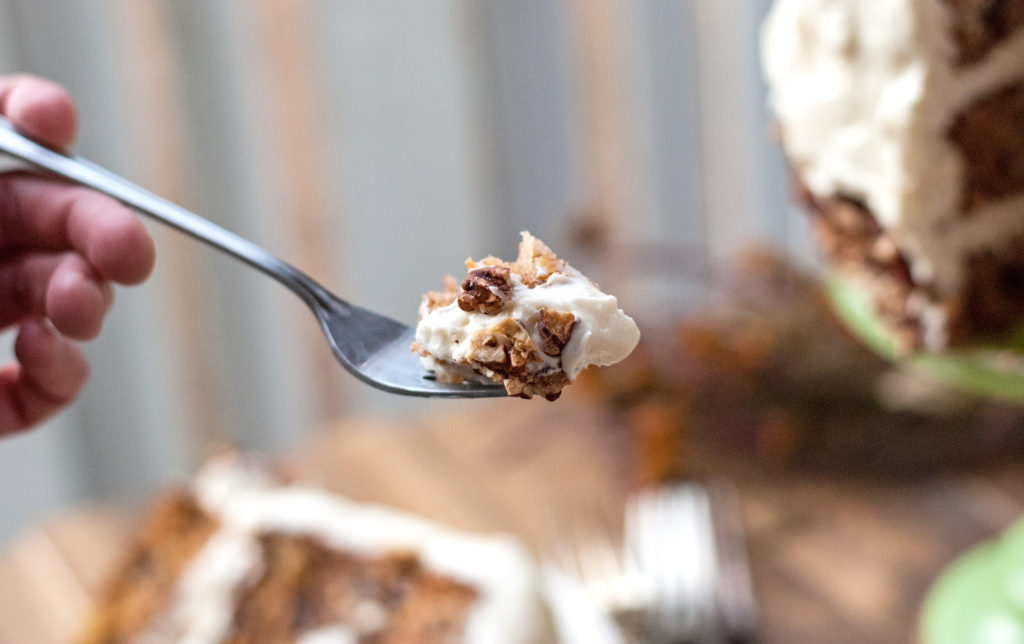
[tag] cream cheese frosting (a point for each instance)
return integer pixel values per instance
(865, 94)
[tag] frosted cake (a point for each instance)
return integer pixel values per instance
(903, 124)
(241, 557)
(533, 324)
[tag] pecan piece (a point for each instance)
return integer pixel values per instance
(555, 329)
(505, 343)
(486, 289)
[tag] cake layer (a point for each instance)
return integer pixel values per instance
(851, 239)
(979, 26)
(990, 139)
(173, 534)
(307, 587)
(990, 303)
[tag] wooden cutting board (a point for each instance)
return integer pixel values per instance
(834, 559)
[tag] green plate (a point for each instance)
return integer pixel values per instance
(979, 599)
(992, 370)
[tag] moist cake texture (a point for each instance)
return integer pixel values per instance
(902, 122)
(532, 324)
(242, 558)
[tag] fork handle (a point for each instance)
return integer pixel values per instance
(83, 172)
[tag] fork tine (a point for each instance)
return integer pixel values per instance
(599, 565)
(705, 582)
(737, 602)
(680, 573)
(643, 541)
(672, 532)
(585, 549)
(578, 616)
(678, 570)
(602, 559)
(686, 511)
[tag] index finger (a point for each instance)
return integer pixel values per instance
(43, 214)
(40, 108)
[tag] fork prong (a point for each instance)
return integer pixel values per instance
(736, 599)
(679, 557)
(671, 530)
(599, 565)
(644, 541)
(586, 547)
(697, 509)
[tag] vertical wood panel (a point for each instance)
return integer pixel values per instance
(8, 39)
(605, 145)
(785, 222)
(39, 474)
(299, 166)
(254, 355)
(164, 163)
(730, 121)
(408, 130)
(530, 110)
(229, 299)
(666, 67)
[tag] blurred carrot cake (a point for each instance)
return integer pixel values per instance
(902, 122)
(242, 557)
(532, 324)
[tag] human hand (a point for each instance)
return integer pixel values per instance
(62, 248)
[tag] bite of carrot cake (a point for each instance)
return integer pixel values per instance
(532, 324)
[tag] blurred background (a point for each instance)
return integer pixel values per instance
(374, 145)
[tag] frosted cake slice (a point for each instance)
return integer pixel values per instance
(244, 558)
(532, 324)
(902, 123)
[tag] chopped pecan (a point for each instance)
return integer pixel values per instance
(486, 289)
(548, 385)
(536, 262)
(555, 329)
(505, 343)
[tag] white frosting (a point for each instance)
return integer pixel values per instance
(202, 605)
(603, 333)
(509, 609)
(865, 93)
(329, 635)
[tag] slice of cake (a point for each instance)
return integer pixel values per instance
(532, 324)
(244, 558)
(903, 123)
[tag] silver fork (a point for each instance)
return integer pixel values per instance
(671, 533)
(374, 348)
(676, 571)
(587, 549)
(688, 541)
